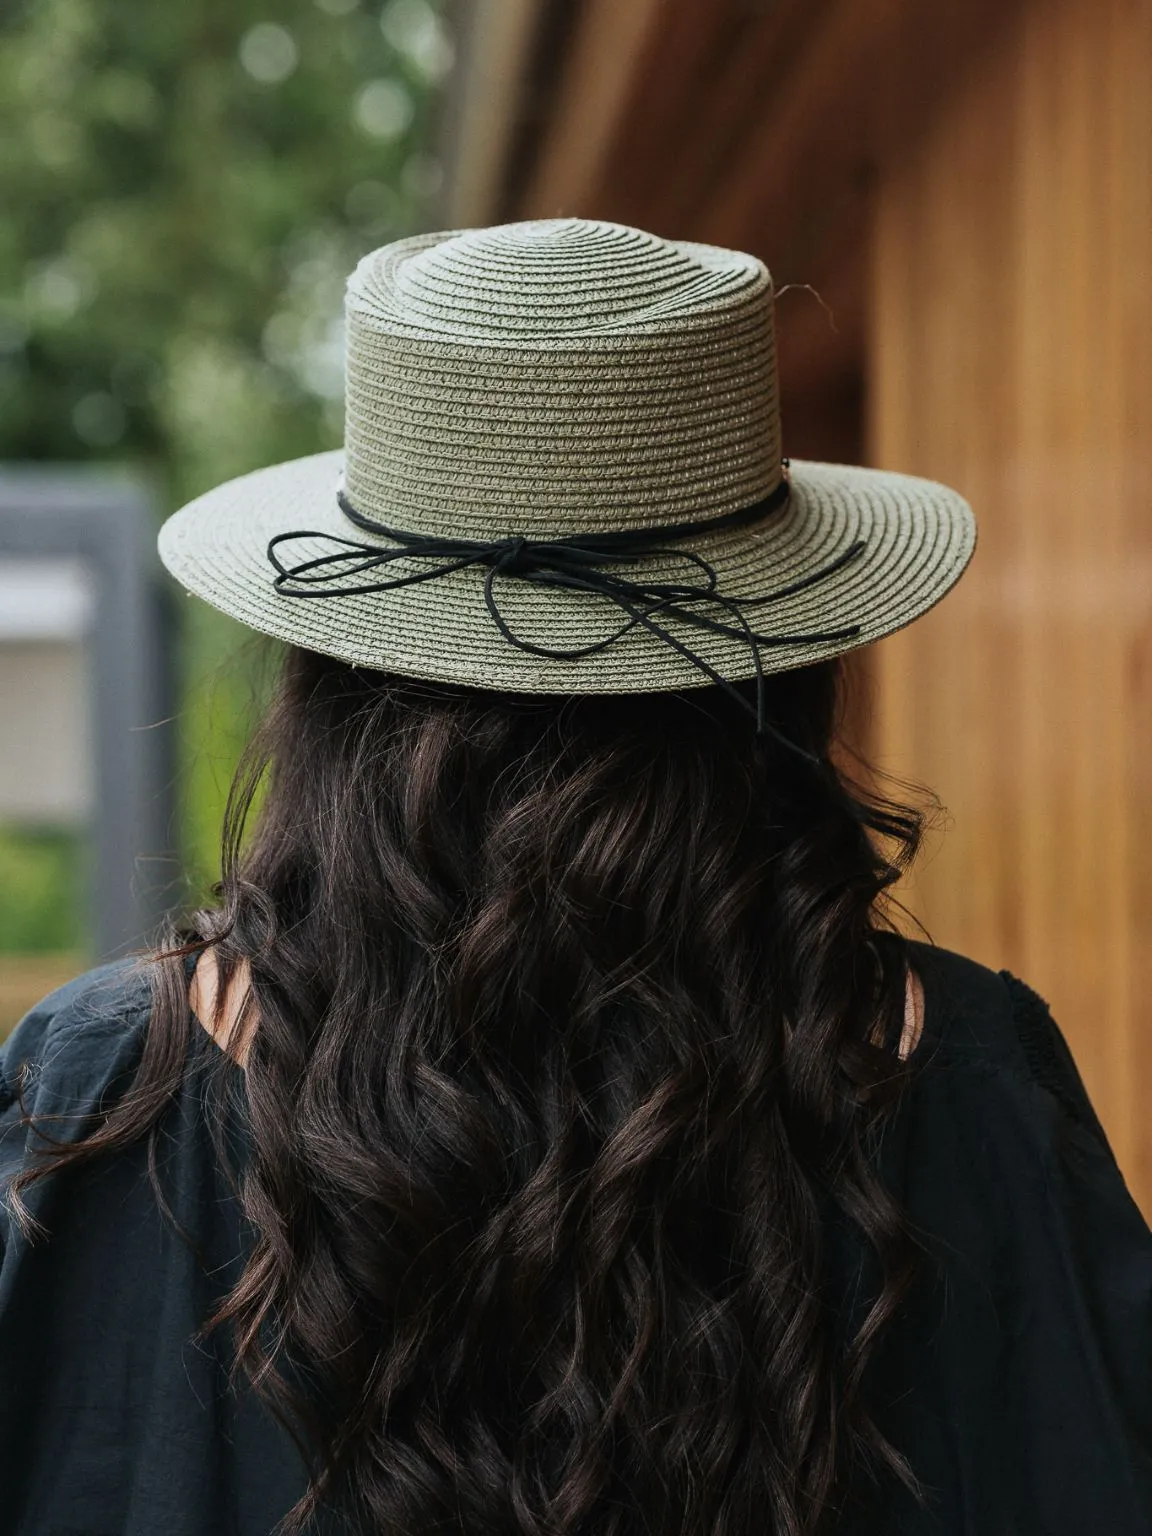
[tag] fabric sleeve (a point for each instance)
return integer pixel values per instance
(1049, 1059)
(60, 1061)
(20, 1055)
(1093, 1278)
(21, 1058)
(21, 1068)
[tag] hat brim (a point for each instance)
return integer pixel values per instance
(917, 538)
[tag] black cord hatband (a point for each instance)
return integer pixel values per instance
(571, 563)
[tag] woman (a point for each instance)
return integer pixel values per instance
(546, 1131)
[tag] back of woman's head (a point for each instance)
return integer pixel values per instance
(568, 1012)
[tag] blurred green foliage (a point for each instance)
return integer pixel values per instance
(43, 889)
(185, 189)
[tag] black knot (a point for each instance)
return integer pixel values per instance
(510, 555)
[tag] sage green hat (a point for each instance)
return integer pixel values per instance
(563, 472)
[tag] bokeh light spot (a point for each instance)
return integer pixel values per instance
(384, 109)
(269, 53)
(418, 34)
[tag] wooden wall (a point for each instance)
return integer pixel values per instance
(1010, 354)
(969, 184)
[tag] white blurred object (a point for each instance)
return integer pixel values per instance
(47, 606)
(45, 598)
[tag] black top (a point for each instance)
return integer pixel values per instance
(1017, 1379)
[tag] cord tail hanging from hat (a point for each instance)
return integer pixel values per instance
(575, 563)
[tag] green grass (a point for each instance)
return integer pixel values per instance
(43, 886)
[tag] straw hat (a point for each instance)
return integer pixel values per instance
(563, 472)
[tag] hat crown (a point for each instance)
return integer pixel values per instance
(557, 376)
(559, 278)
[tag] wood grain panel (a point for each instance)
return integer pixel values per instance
(1011, 355)
(574, 153)
(993, 158)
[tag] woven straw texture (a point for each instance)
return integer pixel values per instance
(553, 377)
(558, 375)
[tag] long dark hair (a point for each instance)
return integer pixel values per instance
(576, 1018)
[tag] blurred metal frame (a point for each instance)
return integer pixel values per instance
(107, 521)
